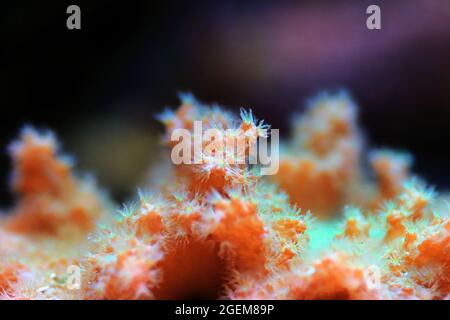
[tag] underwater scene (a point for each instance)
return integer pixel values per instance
(226, 151)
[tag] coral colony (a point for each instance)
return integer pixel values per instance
(335, 221)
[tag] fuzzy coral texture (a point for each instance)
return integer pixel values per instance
(336, 222)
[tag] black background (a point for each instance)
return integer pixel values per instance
(130, 59)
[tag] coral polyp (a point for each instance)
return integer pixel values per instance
(337, 221)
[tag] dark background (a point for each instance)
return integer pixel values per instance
(99, 87)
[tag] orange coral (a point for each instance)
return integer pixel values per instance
(323, 160)
(434, 256)
(219, 168)
(241, 232)
(50, 198)
(392, 171)
(8, 276)
(332, 279)
(218, 229)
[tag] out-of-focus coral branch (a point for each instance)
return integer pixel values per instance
(50, 199)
